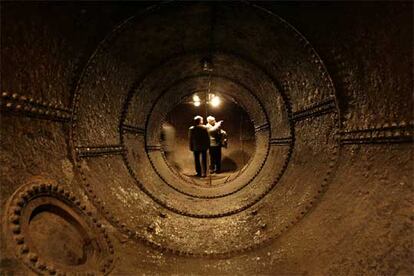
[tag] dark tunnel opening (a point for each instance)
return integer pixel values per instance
(316, 99)
(238, 126)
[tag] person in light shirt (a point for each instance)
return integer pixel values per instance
(218, 139)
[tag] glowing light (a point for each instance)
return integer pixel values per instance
(215, 101)
(196, 98)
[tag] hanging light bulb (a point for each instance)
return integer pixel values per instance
(215, 101)
(196, 100)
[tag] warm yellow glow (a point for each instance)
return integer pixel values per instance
(196, 98)
(215, 101)
(196, 103)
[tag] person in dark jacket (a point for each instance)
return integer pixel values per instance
(199, 144)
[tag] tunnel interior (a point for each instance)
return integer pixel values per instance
(97, 175)
(239, 129)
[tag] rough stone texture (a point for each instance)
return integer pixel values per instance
(357, 221)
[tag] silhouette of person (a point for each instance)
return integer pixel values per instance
(218, 139)
(168, 140)
(199, 144)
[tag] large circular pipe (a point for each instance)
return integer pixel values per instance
(270, 82)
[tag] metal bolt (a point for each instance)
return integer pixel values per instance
(41, 266)
(51, 270)
(31, 191)
(16, 229)
(17, 210)
(33, 257)
(19, 239)
(14, 219)
(21, 202)
(26, 194)
(24, 249)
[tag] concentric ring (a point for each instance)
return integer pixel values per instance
(305, 101)
(45, 196)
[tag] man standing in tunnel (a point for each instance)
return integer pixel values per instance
(217, 140)
(199, 144)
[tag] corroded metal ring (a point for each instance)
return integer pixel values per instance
(39, 197)
(311, 106)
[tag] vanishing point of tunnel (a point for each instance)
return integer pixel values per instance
(316, 99)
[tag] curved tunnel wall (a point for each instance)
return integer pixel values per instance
(120, 61)
(331, 190)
